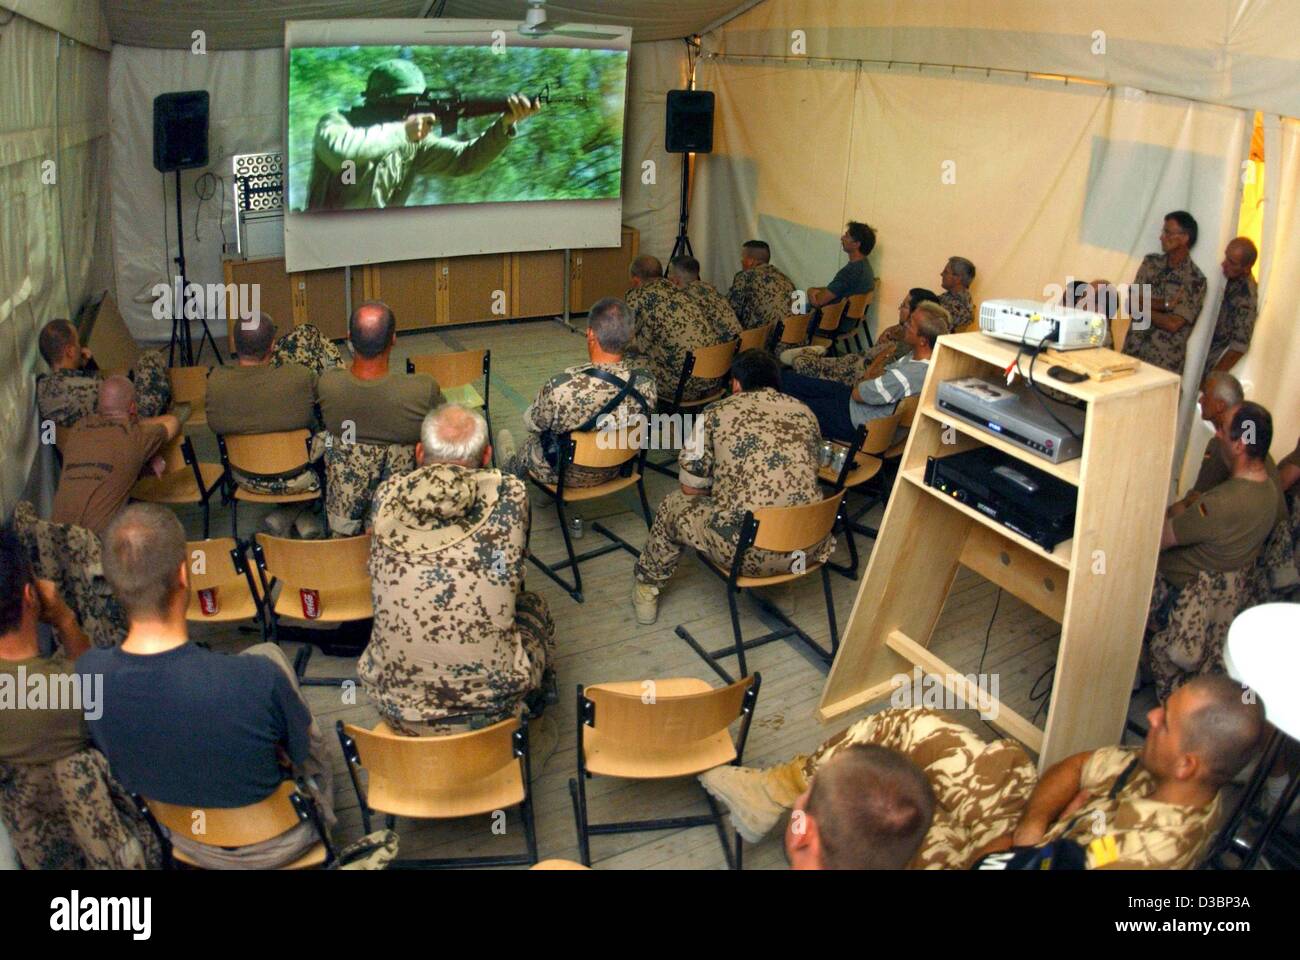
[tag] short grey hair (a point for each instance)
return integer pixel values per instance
(144, 548)
(964, 269)
(1225, 388)
(452, 433)
(611, 321)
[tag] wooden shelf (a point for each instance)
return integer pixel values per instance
(1067, 471)
(1060, 556)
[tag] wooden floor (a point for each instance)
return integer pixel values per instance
(600, 641)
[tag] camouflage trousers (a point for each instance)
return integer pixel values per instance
(682, 521)
(846, 370)
(537, 632)
(317, 772)
(72, 815)
(71, 556)
(353, 472)
(307, 346)
(529, 461)
(980, 788)
(1186, 628)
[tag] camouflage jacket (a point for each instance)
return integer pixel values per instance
(65, 396)
(1184, 286)
(1133, 831)
(750, 450)
(446, 564)
(761, 294)
(722, 319)
(1236, 320)
(959, 307)
(307, 346)
(669, 322)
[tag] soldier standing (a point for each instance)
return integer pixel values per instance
(760, 293)
(370, 156)
(1177, 295)
(576, 397)
(756, 448)
(1236, 320)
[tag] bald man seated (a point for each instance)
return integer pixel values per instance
(105, 453)
(372, 416)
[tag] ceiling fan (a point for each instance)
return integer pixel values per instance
(536, 25)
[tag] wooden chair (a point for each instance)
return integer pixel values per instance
(285, 808)
(707, 363)
(878, 487)
(861, 464)
(854, 319)
(267, 454)
(791, 332)
(679, 731)
(756, 338)
(190, 385)
(826, 322)
(453, 370)
(583, 449)
(783, 530)
(184, 479)
(443, 778)
(336, 570)
(225, 569)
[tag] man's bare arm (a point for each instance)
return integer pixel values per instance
(60, 616)
(168, 422)
(1228, 360)
(1167, 536)
(1056, 789)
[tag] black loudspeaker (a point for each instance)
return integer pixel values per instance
(180, 130)
(690, 122)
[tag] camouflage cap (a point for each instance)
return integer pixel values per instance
(395, 78)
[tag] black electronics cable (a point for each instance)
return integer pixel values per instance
(989, 632)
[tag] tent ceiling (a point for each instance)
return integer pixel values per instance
(244, 24)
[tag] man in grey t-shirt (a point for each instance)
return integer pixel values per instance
(855, 276)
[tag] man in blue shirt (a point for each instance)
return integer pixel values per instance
(183, 725)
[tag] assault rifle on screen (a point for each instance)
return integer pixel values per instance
(450, 107)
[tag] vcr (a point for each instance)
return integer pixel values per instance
(1022, 498)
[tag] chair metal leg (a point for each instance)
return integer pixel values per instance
(722, 830)
(574, 589)
(735, 632)
(830, 611)
(849, 570)
(530, 828)
(234, 518)
(645, 504)
(206, 513)
(578, 792)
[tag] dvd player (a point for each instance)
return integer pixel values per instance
(1046, 428)
(1021, 498)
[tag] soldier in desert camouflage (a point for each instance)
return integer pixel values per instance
(669, 322)
(957, 276)
(760, 293)
(457, 642)
(756, 448)
(1177, 294)
(70, 390)
(684, 272)
(576, 397)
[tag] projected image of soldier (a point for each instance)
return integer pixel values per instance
(372, 155)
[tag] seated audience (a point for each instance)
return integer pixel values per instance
(760, 293)
(1151, 807)
(668, 323)
(856, 276)
(28, 606)
(104, 455)
(852, 369)
(1177, 292)
(577, 398)
(306, 346)
(957, 276)
(373, 418)
(840, 410)
(684, 273)
(457, 642)
(70, 390)
(184, 725)
(756, 448)
(868, 808)
(257, 395)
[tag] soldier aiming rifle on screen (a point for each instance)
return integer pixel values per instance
(371, 155)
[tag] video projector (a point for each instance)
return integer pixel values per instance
(1032, 321)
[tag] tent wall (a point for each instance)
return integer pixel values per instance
(247, 105)
(53, 215)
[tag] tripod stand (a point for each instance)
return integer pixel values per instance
(181, 337)
(682, 247)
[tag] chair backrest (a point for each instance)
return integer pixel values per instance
(217, 568)
(829, 322)
(906, 409)
(266, 453)
(794, 329)
(173, 454)
(234, 826)
(785, 529)
(450, 369)
(432, 776)
(668, 721)
(333, 563)
(189, 384)
(755, 338)
(590, 451)
(880, 434)
(715, 361)
(858, 303)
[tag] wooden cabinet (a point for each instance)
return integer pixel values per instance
(601, 272)
(315, 296)
(1096, 585)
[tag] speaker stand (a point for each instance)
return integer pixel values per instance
(181, 337)
(682, 248)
